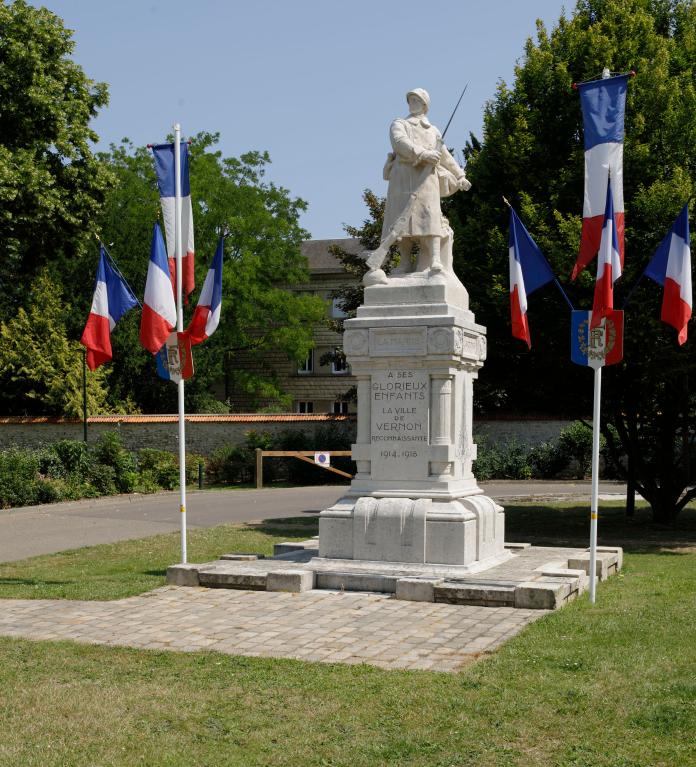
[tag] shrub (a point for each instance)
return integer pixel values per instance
(47, 491)
(231, 464)
(109, 452)
(72, 489)
(19, 477)
(547, 460)
(160, 466)
(192, 461)
(50, 464)
(508, 460)
(69, 470)
(146, 483)
(103, 479)
(615, 467)
(575, 442)
(128, 481)
(73, 455)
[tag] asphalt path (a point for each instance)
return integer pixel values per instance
(46, 529)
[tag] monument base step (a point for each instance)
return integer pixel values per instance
(530, 577)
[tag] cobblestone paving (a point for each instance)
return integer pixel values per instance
(326, 626)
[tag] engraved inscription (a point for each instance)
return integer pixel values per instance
(399, 436)
(397, 342)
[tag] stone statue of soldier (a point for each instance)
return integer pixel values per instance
(420, 170)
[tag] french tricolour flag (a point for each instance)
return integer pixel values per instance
(608, 264)
(207, 314)
(603, 109)
(112, 299)
(164, 167)
(671, 268)
(159, 310)
(529, 270)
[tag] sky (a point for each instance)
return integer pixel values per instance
(316, 83)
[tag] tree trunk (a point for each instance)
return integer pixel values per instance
(664, 507)
(631, 490)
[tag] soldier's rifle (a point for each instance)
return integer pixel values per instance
(454, 111)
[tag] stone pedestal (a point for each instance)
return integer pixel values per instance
(415, 350)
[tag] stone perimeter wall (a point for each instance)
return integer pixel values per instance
(204, 436)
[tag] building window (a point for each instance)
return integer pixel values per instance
(308, 365)
(305, 407)
(340, 408)
(336, 311)
(339, 366)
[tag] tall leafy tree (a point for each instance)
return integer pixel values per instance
(51, 184)
(532, 152)
(260, 314)
(40, 366)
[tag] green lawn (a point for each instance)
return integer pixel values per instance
(117, 570)
(609, 685)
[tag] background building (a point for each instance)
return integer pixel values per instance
(314, 387)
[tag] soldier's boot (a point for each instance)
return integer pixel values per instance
(435, 263)
(405, 266)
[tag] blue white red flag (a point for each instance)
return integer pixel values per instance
(164, 167)
(159, 309)
(529, 270)
(111, 300)
(174, 360)
(603, 109)
(608, 264)
(206, 317)
(596, 347)
(671, 268)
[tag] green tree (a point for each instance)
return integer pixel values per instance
(262, 260)
(532, 153)
(51, 185)
(40, 368)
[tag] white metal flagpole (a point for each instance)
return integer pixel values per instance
(595, 479)
(180, 327)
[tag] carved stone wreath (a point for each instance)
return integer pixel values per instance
(356, 342)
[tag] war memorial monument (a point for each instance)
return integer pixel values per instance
(414, 521)
(415, 350)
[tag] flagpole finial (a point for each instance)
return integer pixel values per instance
(506, 202)
(606, 73)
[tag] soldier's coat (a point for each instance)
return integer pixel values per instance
(410, 137)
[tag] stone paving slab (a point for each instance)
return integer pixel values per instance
(325, 626)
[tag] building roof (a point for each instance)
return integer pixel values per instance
(321, 261)
(19, 420)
